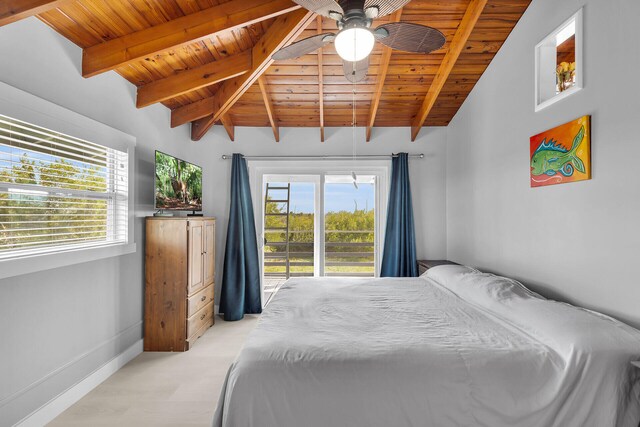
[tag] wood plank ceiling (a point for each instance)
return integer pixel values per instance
(209, 61)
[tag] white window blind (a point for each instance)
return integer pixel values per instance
(58, 192)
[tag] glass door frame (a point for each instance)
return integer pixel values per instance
(317, 225)
(261, 171)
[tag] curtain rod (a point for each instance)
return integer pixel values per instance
(337, 157)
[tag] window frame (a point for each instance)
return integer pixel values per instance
(24, 106)
(579, 84)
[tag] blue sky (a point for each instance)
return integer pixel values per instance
(337, 197)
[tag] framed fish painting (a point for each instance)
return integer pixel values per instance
(562, 154)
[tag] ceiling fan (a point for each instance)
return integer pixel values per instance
(355, 38)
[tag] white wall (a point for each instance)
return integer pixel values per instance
(58, 326)
(579, 241)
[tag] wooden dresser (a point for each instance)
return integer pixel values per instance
(179, 276)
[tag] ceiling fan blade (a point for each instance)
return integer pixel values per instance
(385, 7)
(356, 71)
(304, 46)
(410, 37)
(329, 8)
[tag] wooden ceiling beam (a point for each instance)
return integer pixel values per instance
(468, 23)
(178, 32)
(15, 10)
(321, 82)
(190, 112)
(228, 126)
(203, 108)
(193, 79)
(382, 75)
(284, 30)
(269, 106)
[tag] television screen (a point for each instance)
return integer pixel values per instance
(178, 184)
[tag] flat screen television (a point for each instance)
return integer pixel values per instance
(178, 184)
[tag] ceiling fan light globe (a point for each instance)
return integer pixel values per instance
(354, 44)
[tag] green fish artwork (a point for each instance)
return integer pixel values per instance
(553, 162)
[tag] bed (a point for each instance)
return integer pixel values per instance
(454, 347)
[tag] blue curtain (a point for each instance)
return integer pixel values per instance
(399, 256)
(240, 292)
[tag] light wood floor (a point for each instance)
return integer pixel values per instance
(164, 389)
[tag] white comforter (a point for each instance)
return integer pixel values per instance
(455, 347)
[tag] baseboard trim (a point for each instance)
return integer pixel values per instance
(47, 412)
(6, 400)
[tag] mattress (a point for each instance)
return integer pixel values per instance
(454, 347)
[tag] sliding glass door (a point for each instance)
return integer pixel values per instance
(289, 225)
(349, 225)
(318, 222)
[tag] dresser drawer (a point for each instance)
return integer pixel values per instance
(200, 319)
(193, 338)
(199, 300)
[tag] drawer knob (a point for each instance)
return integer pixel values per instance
(204, 297)
(203, 316)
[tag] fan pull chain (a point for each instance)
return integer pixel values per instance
(353, 117)
(353, 122)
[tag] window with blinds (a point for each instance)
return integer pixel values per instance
(58, 192)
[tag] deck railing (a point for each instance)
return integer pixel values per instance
(342, 258)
